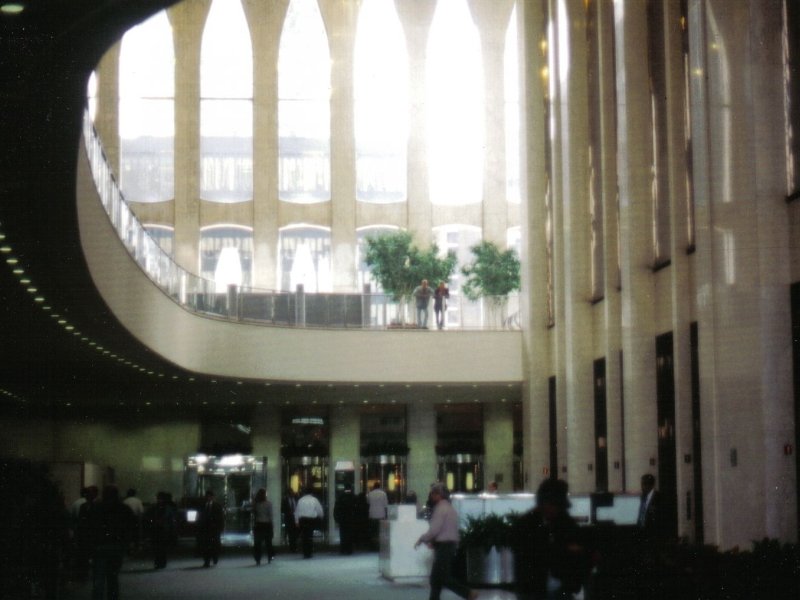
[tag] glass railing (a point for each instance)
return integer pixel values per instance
(268, 307)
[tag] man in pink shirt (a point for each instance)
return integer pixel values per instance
(443, 537)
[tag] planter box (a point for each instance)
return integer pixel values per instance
(492, 567)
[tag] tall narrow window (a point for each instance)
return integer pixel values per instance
(791, 42)
(226, 105)
(455, 102)
(305, 258)
(596, 200)
(687, 126)
(304, 114)
(460, 239)
(147, 111)
(91, 95)
(226, 256)
(658, 100)
(512, 108)
(381, 103)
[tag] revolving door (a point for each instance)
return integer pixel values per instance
(234, 479)
(389, 471)
(461, 472)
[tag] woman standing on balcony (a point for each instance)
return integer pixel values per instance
(440, 297)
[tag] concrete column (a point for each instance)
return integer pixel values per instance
(345, 446)
(340, 20)
(636, 252)
(491, 18)
(612, 317)
(266, 23)
(421, 447)
(742, 273)
(680, 268)
(416, 17)
(188, 20)
(106, 120)
(266, 438)
(498, 436)
(533, 296)
(576, 265)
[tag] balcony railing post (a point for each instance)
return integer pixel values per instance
(233, 301)
(300, 306)
(366, 306)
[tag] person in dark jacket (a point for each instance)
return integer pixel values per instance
(112, 525)
(210, 523)
(344, 513)
(163, 520)
(550, 559)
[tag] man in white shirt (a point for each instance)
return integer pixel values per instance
(378, 503)
(137, 508)
(308, 515)
(443, 537)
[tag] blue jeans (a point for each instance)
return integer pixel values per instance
(422, 316)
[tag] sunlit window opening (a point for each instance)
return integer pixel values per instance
(91, 95)
(460, 239)
(514, 239)
(163, 236)
(226, 105)
(305, 258)
(381, 103)
(226, 256)
(363, 272)
(512, 109)
(304, 75)
(147, 111)
(455, 100)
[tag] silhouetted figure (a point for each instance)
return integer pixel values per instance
(440, 296)
(308, 516)
(344, 513)
(443, 537)
(111, 525)
(550, 559)
(651, 518)
(162, 518)
(83, 541)
(288, 505)
(262, 527)
(362, 520)
(137, 508)
(210, 523)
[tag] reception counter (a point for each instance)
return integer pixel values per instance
(398, 560)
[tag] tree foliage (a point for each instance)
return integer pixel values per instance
(493, 274)
(399, 266)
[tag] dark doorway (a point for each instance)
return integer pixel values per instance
(600, 426)
(665, 402)
(551, 392)
(795, 295)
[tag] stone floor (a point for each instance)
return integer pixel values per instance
(326, 576)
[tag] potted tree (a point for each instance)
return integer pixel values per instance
(492, 275)
(486, 540)
(398, 265)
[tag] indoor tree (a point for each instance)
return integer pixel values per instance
(493, 275)
(398, 265)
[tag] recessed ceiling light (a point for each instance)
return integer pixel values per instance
(5, 249)
(12, 261)
(69, 327)
(39, 299)
(32, 290)
(12, 8)
(62, 322)
(18, 271)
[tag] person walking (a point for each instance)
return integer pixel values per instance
(210, 523)
(111, 526)
(443, 537)
(378, 504)
(262, 527)
(288, 506)
(163, 521)
(344, 513)
(308, 516)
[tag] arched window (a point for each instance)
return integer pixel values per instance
(305, 258)
(226, 255)
(381, 103)
(455, 103)
(304, 75)
(226, 105)
(363, 273)
(164, 236)
(512, 109)
(460, 239)
(147, 111)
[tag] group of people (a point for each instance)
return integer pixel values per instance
(422, 296)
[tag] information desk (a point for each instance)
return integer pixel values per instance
(398, 560)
